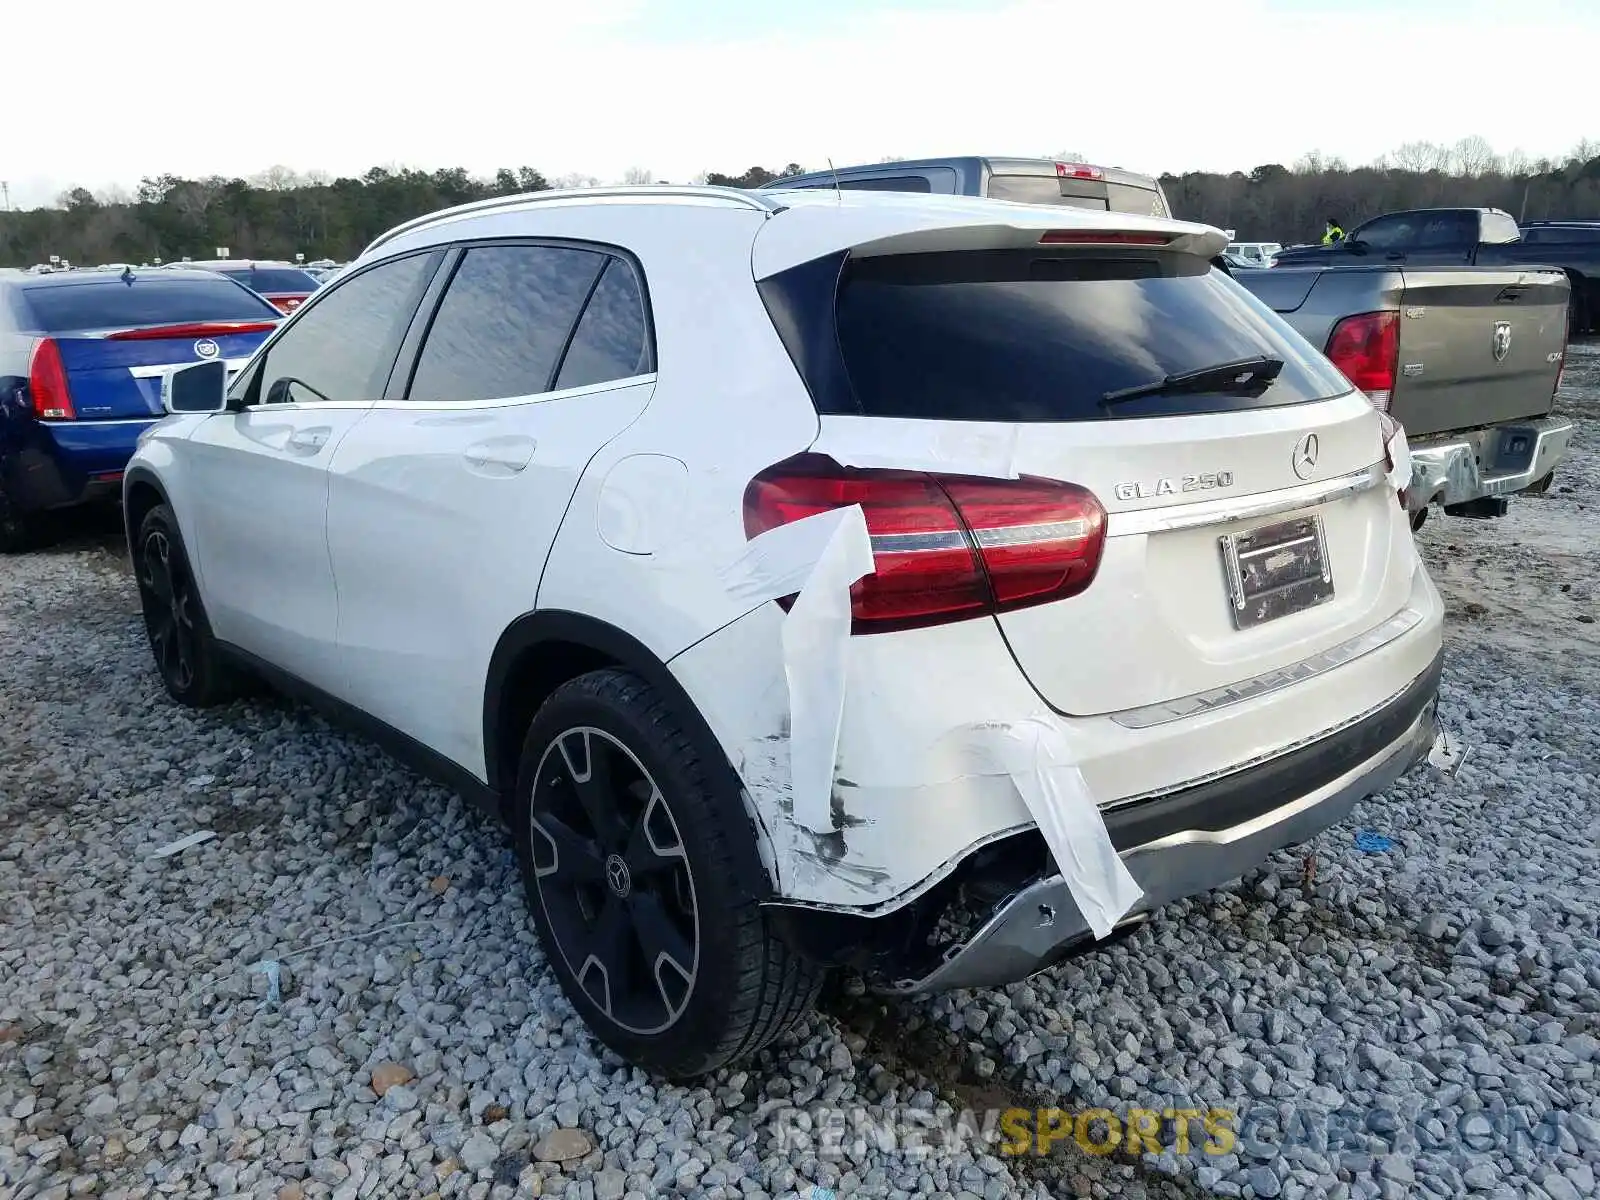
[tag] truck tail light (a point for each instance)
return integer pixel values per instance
(945, 547)
(1366, 347)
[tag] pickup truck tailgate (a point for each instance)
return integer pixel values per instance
(1476, 349)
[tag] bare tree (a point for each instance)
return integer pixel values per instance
(637, 175)
(1422, 156)
(1474, 157)
(277, 178)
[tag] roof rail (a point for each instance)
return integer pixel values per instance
(737, 195)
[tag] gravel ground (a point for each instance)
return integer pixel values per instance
(1420, 1019)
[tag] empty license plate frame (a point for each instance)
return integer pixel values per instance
(1276, 570)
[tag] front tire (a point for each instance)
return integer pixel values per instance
(187, 656)
(628, 858)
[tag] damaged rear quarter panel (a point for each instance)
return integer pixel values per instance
(916, 783)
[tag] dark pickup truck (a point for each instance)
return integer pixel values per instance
(1480, 237)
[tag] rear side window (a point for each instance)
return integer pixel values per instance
(343, 346)
(503, 322)
(109, 303)
(888, 183)
(612, 340)
(1016, 335)
(1573, 233)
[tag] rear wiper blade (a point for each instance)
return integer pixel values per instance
(1228, 376)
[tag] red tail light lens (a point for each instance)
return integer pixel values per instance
(194, 329)
(47, 383)
(1078, 171)
(945, 547)
(286, 304)
(1366, 347)
(1102, 237)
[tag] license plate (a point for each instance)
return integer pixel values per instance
(1276, 570)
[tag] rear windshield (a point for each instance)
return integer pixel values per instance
(1078, 193)
(281, 279)
(1126, 198)
(149, 300)
(1020, 335)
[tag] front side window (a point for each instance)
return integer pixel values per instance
(343, 346)
(1388, 233)
(504, 320)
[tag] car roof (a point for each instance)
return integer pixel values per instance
(804, 224)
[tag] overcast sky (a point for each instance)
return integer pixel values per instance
(107, 91)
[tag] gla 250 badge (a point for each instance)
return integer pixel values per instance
(1204, 482)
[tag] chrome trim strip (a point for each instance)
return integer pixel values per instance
(150, 420)
(1222, 512)
(914, 543)
(1267, 682)
(1027, 535)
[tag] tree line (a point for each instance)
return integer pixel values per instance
(280, 213)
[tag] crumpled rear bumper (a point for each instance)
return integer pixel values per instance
(1496, 461)
(1201, 840)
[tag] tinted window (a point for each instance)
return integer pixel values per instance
(1023, 336)
(281, 279)
(503, 322)
(889, 183)
(108, 303)
(1124, 197)
(1039, 189)
(342, 346)
(1388, 233)
(1448, 231)
(611, 341)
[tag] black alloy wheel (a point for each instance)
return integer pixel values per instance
(167, 590)
(614, 880)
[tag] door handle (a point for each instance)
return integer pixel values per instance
(499, 455)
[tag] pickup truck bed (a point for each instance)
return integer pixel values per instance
(1469, 357)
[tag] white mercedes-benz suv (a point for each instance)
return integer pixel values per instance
(925, 585)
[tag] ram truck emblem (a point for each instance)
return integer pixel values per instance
(1502, 340)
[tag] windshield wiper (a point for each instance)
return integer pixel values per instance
(1239, 374)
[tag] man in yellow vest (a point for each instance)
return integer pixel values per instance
(1333, 233)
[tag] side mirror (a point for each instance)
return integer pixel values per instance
(197, 388)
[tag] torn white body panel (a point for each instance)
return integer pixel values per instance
(1035, 754)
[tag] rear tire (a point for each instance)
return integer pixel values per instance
(1540, 486)
(629, 860)
(188, 658)
(1418, 518)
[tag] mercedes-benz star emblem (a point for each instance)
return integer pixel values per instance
(1305, 456)
(205, 348)
(617, 877)
(1502, 340)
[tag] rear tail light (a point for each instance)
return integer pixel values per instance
(944, 547)
(47, 383)
(1366, 347)
(191, 329)
(1078, 171)
(1102, 237)
(286, 304)
(1561, 363)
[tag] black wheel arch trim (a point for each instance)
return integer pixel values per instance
(134, 477)
(561, 626)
